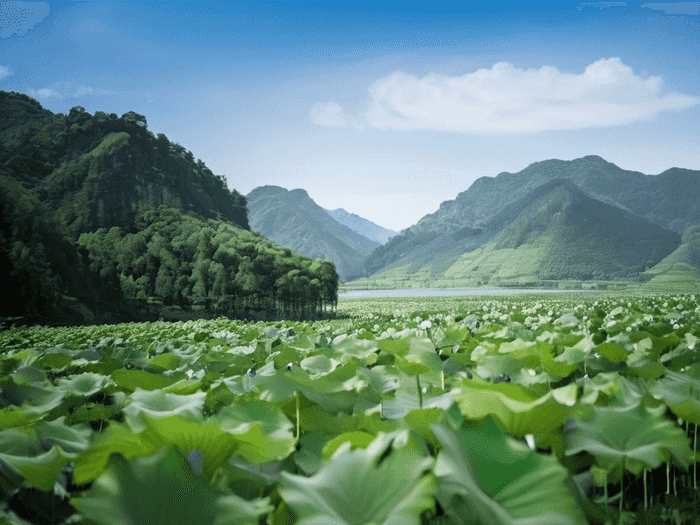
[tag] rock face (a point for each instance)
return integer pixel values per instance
(99, 171)
(293, 219)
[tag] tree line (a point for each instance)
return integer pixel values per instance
(79, 244)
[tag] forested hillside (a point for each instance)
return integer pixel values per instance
(103, 221)
(98, 171)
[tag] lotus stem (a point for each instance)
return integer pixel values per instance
(442, 379)
(645, 490)
(606, 496)
(296, 393)
(668, 478)
(622, 487)
(695, 461)
(420, 392)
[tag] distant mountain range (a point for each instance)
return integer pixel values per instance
(554, 220)
(362, 226)
(293, 219)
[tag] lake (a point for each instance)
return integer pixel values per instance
(436, 292)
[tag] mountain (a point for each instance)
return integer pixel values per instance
(679, 271)
(362, 226)
(555, 231)
(98, 171)
(292, 218)
(101, 221)
(669, 200)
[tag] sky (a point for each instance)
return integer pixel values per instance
(385, 109)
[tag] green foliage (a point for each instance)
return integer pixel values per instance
(97, 171)
(395, 414)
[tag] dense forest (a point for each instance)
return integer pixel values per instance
(103, 221)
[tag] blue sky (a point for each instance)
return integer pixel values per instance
(385, 109)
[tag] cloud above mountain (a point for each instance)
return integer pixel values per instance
(506, 100)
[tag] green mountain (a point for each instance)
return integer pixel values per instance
(293, 219)
(99, 171)
(669, 199)
(362, 226)
(679, 271)
(556, 231)
(472, 218)
(102, 221)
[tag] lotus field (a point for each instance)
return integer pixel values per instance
(517, 410)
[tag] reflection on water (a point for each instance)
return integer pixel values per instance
(436, 292)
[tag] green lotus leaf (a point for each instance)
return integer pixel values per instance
(420, 421)
(158, 404)
(162, 489)
(399, 346)
(633, 436)
(33, 399)
(555, 368)
(359, 349)
(13, 416)
(29, 375)
(605, 383)
(39, 471)
(130, 380)
(412, 364)
(492, 366)
(356, 438)
(85, 384)
(318, 365)
(184, 387)
(518, 409)
(263, 431)
(383, 484)
(485, 477)
(72, 439)
(27, 455)
(309, 455)
(117, 438)
(612, 351)
(166, 361)
(681, 392)
(406, 398)
(573, 355)
(648, 369)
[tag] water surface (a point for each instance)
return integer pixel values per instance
(437, 292)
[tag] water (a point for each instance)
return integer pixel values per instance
(437, 292)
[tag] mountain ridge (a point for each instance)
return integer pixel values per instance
(362, 226)
(292, 218)
(560, 231)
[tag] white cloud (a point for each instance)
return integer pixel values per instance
(45, 93)
(5, 72)
(506, 100)
(64, 90)
(329, 114)
(676, 8)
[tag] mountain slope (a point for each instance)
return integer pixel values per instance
(99, 171)
(292, 218)
(101, 221)
(362, 226)
(556, 231)
(680, 270)
(669, 200)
